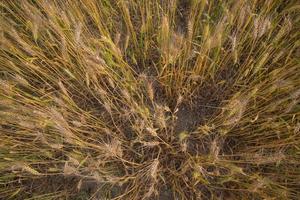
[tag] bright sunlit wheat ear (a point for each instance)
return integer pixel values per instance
(149, 99)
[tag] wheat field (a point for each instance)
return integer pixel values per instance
(150, 99)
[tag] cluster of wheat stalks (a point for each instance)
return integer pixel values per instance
(149, 99)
